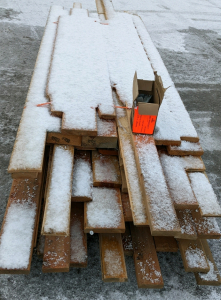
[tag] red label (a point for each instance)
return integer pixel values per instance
(143, 124)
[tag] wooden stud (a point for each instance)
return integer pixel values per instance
(113, 152)
(126, 208)
(186, 148)
(165, 244)
(187, 225)
(62, 139)
(124, 188)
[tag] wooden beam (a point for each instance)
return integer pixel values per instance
(63, 139)
(187, 225)
(165, 244)
(186, 148)
(126, 208)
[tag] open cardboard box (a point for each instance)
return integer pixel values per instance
(144, 116)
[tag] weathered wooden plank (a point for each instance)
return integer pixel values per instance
(124, 188)
(112, 258)
(126, 208)
(187, 225)
(78, 238)
(213, 276)
(104, 214)
(63, 139)
(193, 256)
(106, 171)
(82, 177)
(186, 148)
(108, 152)
(56, 254)
(127, 240)
(165, 244)
(147, 267)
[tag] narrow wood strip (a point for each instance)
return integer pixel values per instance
(82, 177)
(56, 254)
(206, 227)
(124, 188)
(112, 258)
(165, 244)
(193, 163)
(108, 152)
(127, 241)
(187, 225)
(24, 175)
(213, 276)
(104, 214)
(193, 256)
(19, 226)
(62, 139)
(56, 219)
(78, 237)
(159, 205)
(126, 208)
(186, 148)
(146, 263)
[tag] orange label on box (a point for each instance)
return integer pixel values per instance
(143, 123)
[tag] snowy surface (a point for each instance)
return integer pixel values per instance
(192, 163)
(16, 239)
(105, 168)
(104, 211)
(204, 194)
(177, 180)
(125, 55)
(187, 146)
(78, 251)
(186, 223)
(113, 263)
(157, 194)
(106, 127)
(79, 62)
(195, 258)
(30, 141)
(82, 179)
(207, 225)
(58, 199)
(212, 275)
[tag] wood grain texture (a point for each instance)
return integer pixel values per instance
(126, 208)
(187, 225)
(78, 239)
(112, 258)
(146, 263)
(165, 244)
(62, 139)
(124, 188)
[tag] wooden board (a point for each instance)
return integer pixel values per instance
(106, 171)
(56, 254)
(24, 198)
(159, 205)
(108, 152)
(126, 208)
(78, 239)
(165, 244)
(207, 279)
(112, 258)
(62, 162)
(82, 164)
(193, 164)
(124, 188)
(146, 263)
(104, 214)
(187, 225)
(127, 241)
(24, 175)
(206, 227)
(63, 139)
(193, 256)
(186, 148)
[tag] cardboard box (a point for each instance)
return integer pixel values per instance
(144, 116)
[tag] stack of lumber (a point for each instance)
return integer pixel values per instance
(77, 168)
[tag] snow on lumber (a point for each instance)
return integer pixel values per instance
(213, 276)
(178, 182)
(146, 263)
(104, 214)
(160, 209)
(106, 171)
(207, 227)
(186, 148)
(193, 256)
(82, 177)
(19, 226)
(78, 65)
(125, 55)
(28, 151)
(193, 163)
(208, 203)
(187, 225)
(56, 219)
(78, 237)
(112, 258)
(56, 254)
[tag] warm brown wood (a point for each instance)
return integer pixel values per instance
(86, 157)
(193, 256)
(106, 171)
(160, 223)
(190, 139)
(79, 132)
(206, 227)
(193, 164)
(126, 208)
(63, 139)
(113, 152)
(213, 277)
(78, 239)
(165, 244)
(178, 150)
(188, 230)
(147, 266)
(124, 188)
(127, 241)
(56, 254)
(28, 192)
(167, 142)
(24, 175)
(99, 206)
(112, 258)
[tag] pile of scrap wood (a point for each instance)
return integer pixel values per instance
(77, 168)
